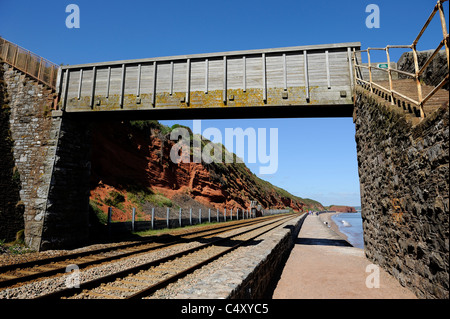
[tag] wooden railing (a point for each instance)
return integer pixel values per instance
(30, 63)
(418, 70)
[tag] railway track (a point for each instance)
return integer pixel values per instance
(143, 280)
(12, 275)
(15, 275)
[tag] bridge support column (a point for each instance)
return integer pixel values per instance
(45, 161)
(66, 220)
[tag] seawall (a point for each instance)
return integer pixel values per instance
(404, 172)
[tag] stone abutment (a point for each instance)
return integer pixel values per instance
(404, 173)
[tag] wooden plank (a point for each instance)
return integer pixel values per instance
(350, 67)
(224, 93)
(66, 89)
(206, 75)
(244, 75)
(94, 73)
(284, 72)
(188, 80)
(305, 68)
(247, 53)
(122, 86)
(171, 78)
(154, 84)
(138, 84)
(108, 81)
(264, 77)
(327, 62)
(79, 84)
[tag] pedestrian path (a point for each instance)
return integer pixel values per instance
(322, 265)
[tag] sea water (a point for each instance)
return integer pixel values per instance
(350, 224)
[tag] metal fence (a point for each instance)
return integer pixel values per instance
(421, 100)
(159, 218)
(30, 63)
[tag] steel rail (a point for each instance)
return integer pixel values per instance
(179, 239)
(66, 292)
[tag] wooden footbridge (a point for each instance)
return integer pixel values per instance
(312, 76)
(302, 81)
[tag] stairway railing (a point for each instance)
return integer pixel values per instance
(418, 70)
(30, 63)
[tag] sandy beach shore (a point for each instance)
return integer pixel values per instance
(326, 217)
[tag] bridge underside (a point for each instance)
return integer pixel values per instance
(306, 81)
(297, 111)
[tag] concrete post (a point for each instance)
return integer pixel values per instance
(168, 212)
(133, 218)
(153, 218)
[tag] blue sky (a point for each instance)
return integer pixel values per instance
(317, 157)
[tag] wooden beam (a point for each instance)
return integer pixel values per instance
(79, 84)
(206, 75)
(138, 84)
(94, 74)
(122, 86)
(264, 79)
(108, 81)
(188, 80)
(305, 65)
(284, 72)
(224, 95)
(244, 75)
(154, 84)
(171, 78)
(327, 65)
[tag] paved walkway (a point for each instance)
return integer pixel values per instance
(323, 265)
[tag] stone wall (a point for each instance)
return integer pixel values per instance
(51, 156)
(435, 71)
(11, 207)
(404, 171)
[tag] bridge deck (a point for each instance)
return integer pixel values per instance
(318, 75)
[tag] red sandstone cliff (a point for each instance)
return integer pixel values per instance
(343, 209)
(131, 167)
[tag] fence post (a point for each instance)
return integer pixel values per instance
(133, 218)
(180, 217)
(419, 86)
(168, 212)
(370, 70)
(153, 218)
(190, 216)
(109, 220)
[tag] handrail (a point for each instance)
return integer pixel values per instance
(30, 63)
(418, 71)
